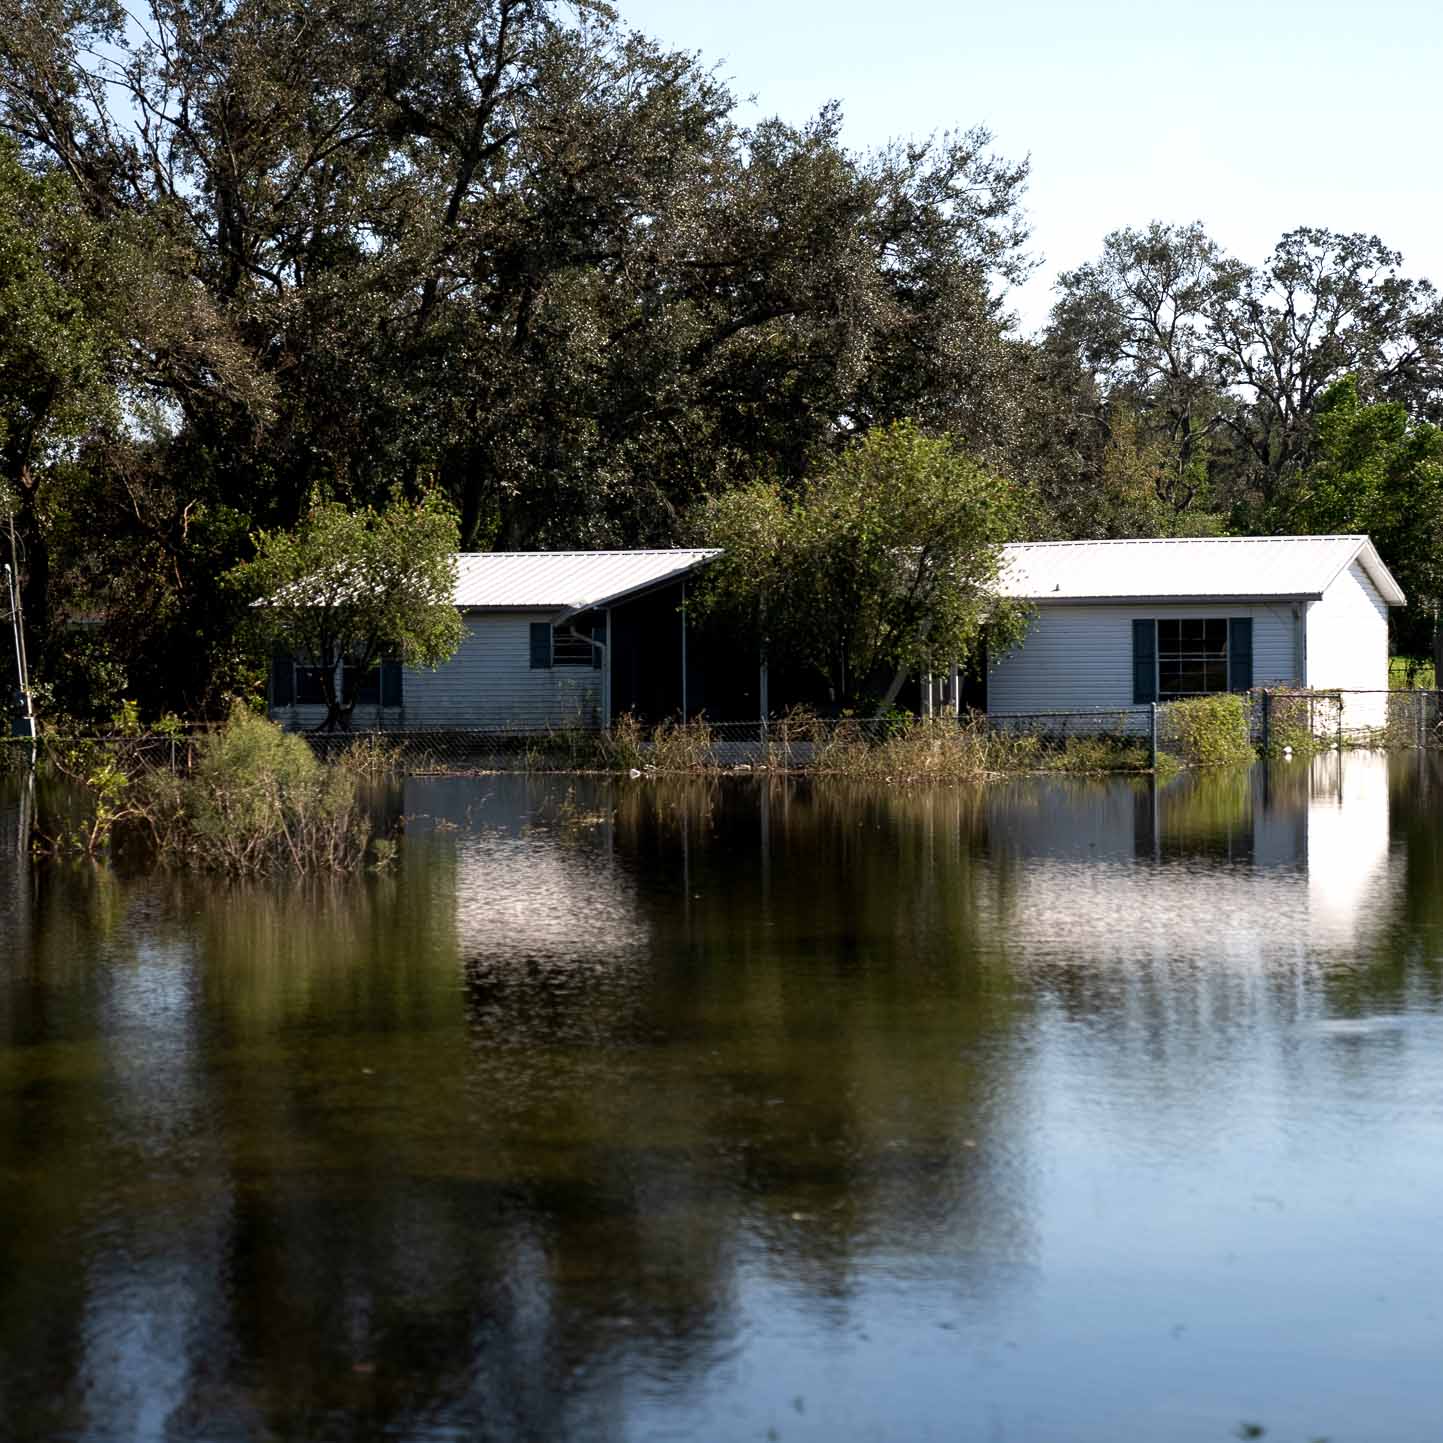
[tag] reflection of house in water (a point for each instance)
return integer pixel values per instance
(521, 892)
(1108, 872)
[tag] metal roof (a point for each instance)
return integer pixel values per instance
(1212, 568)
(565, 581)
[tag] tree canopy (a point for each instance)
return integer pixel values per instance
(256, 254)
(883, 563)
(346, 588)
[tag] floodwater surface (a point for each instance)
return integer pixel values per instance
(1054, 1109)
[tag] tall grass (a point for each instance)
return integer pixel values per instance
(256, 802)
(1408, 672)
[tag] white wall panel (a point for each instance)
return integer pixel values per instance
(1348, 645)
(488, 683)
(1076, 658)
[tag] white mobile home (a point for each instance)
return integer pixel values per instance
(1125, 623)
(553, 639)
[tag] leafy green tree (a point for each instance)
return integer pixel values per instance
(1139, 321)
(57, 354)
(1225, 364)
(1376, 470)
(349, 588)
(883, 563)
(1323, 306)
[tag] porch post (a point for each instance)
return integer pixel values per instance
(685, 714)
(606, 676)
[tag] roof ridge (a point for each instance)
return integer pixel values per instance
(609, 551)
(1192, 540)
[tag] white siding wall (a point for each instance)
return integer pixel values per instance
(1077, 658)
(488, 683)
(1348, 645)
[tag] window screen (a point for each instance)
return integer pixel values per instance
(568, 649)
(1192, 656)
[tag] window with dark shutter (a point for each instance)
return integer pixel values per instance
(1240, 653)
(1144, 662)
(1192, 656)
(310, 686)
(367, 686)
(391, 693)
(283, 679)
(540, 645)
(570, 649)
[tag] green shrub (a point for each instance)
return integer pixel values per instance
(1302, 722)
(1408, 672)
(1206, 731)
(256, 801)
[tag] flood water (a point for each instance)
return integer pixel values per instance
(1053, 1109)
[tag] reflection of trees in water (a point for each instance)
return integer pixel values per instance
(1217, 964)
(474, 1143)
(1402, 968)
(279, 1228)
(807, 1054)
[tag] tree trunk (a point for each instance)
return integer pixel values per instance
(34, 559)
(890, 695)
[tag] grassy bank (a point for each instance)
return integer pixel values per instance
(254, 801)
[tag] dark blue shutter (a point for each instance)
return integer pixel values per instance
(598, 633)
(1240, 653)
(540, 645)
(390, 683)
(1144, 662)
(283, 680)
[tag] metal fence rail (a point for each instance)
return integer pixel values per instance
(1097, 738)
(1346, 718)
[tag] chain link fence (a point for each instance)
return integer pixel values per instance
(1307, 720)
(1116, 738)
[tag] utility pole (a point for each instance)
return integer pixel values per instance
(24, 724)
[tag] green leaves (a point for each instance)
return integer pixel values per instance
(883, 562)
(1375, 470)
(357, 586)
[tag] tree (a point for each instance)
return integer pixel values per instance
(1225, 364)
(57, 353)
(1140, 321)
(1323, 306)
(884, 562)
(506, 247)
(1376, 470)
(349, 588)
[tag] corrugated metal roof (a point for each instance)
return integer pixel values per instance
(1213, 568)
(564, 580)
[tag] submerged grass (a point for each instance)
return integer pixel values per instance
(901, 748)
(256, 802)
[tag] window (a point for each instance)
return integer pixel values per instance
(568, 649)
(562, 646)
(310, 686)
(1192, 656)
(368, 686)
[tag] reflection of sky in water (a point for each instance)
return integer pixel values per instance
(531, 899)
(1060, 1110)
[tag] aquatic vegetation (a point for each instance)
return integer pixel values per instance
(256, 801)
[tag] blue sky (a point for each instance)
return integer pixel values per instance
(1254, 118)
